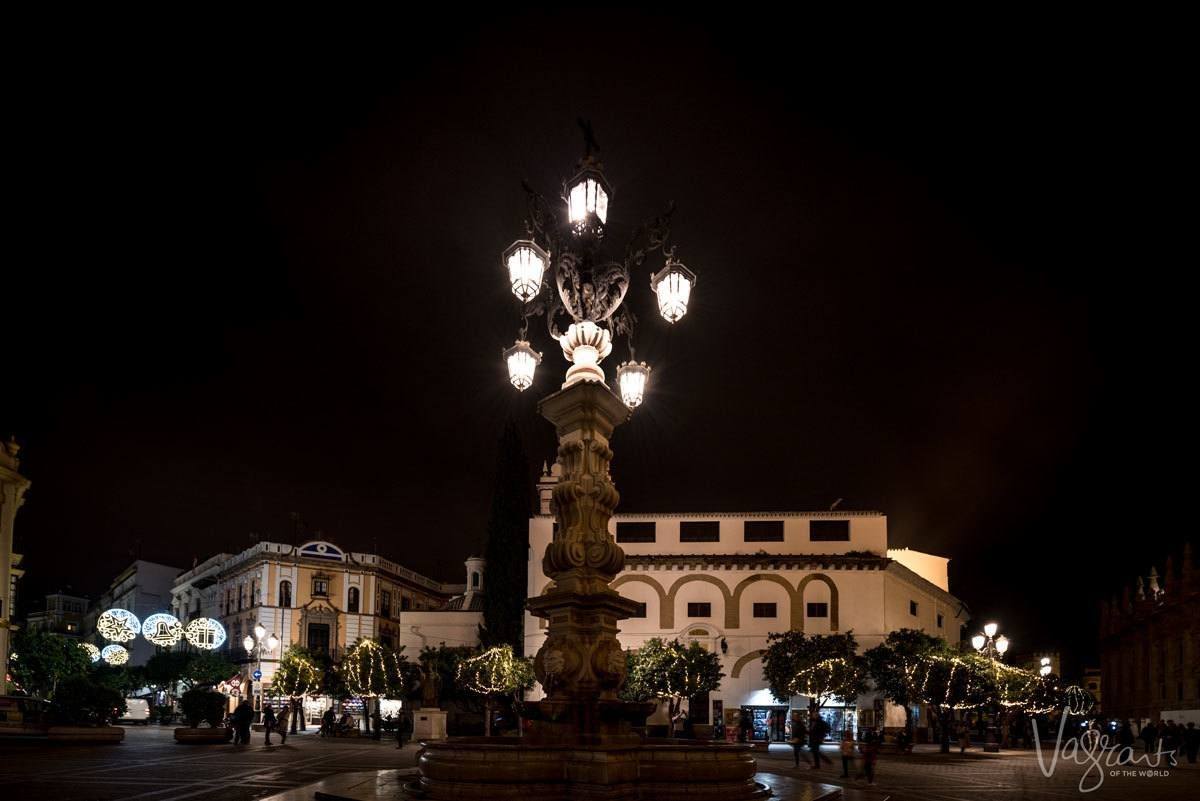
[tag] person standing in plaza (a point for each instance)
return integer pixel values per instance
(281, 723)
(1150, 736)
(268, 722)
(241, 718)
(817, 729)
(327, 723)
(1191, 742)
(797, 738)
(964, 736)
(870, 752)
(847, 747)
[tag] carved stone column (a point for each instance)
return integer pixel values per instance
(581, 665)
(12, 491)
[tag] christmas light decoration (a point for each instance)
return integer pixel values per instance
(119, 625)
(497, 671)
(162, 629)
(92, 651)
(205, 633)
(296, 675)
(115, 654)
(371, 670)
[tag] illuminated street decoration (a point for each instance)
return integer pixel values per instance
(522, 360)
(205, 633)
(115, 654)
(92, 651)
(631, 380)
(162, 629)
(119, 625)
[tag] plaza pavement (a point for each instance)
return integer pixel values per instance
(151, 766)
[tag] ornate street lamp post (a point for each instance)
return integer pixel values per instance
(256, 645)
(581, 740)
(993, 647)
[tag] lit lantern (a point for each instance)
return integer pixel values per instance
(1001, 644)
(259, 631)
(248, 643)
(673, 286)
(272, 643)
(162, 629)
(1044, 670)
(587, 200)
(92, 651)
(990, 629)
(114, 654)
(522, 360)
(526, 263)
(631, 379)
(977, 642)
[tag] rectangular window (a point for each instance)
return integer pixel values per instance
(700, 609)
(385, 604)
(641, 610)
(321, 587)
(635, 532)
(940, 621)
(817, 610)
(405, 603)
(763, 531)
(912, 607)
(700, 531)
(829, 531)
(318, 637)
(764, 610)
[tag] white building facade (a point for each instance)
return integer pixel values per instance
(726, 581)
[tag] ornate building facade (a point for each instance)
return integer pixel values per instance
(1150, 645)
(12, 494)
(726, 581)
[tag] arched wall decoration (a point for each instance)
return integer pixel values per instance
(833, 598)
(742, 661)
(667, 614)
(663, 605)
(795, 607)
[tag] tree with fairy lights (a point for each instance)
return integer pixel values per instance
(369, 670)
(670, 671)
(899, 667)
(299, 674)
(956, 682)
(820, 667)
(495, 674)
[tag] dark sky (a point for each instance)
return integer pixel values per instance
(260, 275)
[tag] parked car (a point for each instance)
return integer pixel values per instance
(137, 710)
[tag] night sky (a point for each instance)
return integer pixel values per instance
(256, 277)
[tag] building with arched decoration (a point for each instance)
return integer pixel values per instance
(726, 581)
(325, 598)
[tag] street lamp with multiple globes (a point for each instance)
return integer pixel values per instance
(993, 647)
(256, 645)
(587, 287)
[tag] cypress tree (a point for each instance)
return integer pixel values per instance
(506, 552)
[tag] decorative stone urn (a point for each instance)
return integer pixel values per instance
(581, 742)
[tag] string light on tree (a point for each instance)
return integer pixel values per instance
(115, 654)
(496, 671)
(92, 651)
(162, 629)
(371, 670)
(118, 625)
(205, 633)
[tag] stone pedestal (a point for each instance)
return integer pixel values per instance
(429, 724)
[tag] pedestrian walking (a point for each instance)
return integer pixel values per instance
(817, 729)
(327, 722)
(797, 738)
(268, 722)
(1191, 742)
(870, 752)
(281, 724)
(847, 752)
(1150, 736)
(242, 717)
(404, 724)
(964, 736)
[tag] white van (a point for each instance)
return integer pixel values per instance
(137, 710)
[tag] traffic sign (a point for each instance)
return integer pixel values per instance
(257, 674)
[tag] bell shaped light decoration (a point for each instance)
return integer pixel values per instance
(248, 643)
(587, 199)
(526, 263)
(631, 380)
(272, 643)
(522, 360)
(673, 286)
(1001, 644)
(978, 641)
(990, 629)
(259, 631)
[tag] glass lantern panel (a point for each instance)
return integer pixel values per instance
(601, 204)
(674, 291)
(525, 270)
(578, 204)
